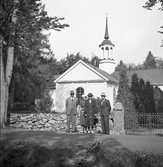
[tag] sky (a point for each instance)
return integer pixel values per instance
(132, 29)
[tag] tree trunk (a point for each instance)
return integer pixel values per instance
(2, 84)
(6, 74)
(5, 82)
(9, 68)
(12, 93)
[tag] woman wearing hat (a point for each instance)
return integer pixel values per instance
(105, 109)
(82, 116)
(90, 110)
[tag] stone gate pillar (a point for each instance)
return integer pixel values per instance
(119, 119)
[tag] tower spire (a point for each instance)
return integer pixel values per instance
(106, 29)
(107, 64)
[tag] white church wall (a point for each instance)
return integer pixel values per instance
(109, 93)
(107, 65)
(96, 88)
(80, 73)
(63, 91)
(161, 87)
(52, 93)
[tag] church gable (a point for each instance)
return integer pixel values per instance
(80, 72)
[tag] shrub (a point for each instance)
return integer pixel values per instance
(45, 104)
(23, 154)
(126, 98)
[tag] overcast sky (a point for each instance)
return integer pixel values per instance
(133, 29)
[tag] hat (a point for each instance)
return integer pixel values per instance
(84, 96)
(71, 92)
(90, 94)
(103, 94)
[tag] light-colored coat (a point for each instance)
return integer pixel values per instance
(71, 106)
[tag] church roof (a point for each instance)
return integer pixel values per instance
(106, 77)
(154, 76)
(106, 42)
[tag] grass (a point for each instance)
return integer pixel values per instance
(145, 131)
(93, 154)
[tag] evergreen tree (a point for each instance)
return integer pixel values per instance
(159, 63)
(158, 97)
(125, 97)
(138, 91)
(95, 61)
(150, 62)
(135, 91)
(22, 23)
(149, 98)
(151, 3)
(69, 61)
(121, 66)
(143, 94)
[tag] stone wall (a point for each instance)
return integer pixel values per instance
(44, 122)
(40, 121)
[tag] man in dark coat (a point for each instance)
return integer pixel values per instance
(105, 109)
(90, 111)
(71, 111)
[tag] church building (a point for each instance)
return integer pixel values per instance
(85, 78)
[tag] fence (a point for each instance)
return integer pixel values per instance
(147, 123)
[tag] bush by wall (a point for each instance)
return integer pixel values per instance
(89, 155)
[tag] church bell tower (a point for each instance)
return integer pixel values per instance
(107, 63)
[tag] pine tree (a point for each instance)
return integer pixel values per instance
(141, 95)
(121, 66)
(135, 91)
(150, 62)
(138, 91)
(125, 97)
(149, 98)
(22, 23)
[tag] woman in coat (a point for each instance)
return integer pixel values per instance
(90, 111)
(82, 116)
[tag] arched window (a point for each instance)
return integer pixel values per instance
(79, 93)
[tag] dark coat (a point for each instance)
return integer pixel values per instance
(82, 117)
(105, 107)
(90, 109)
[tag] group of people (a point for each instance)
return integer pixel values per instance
(88, 112)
